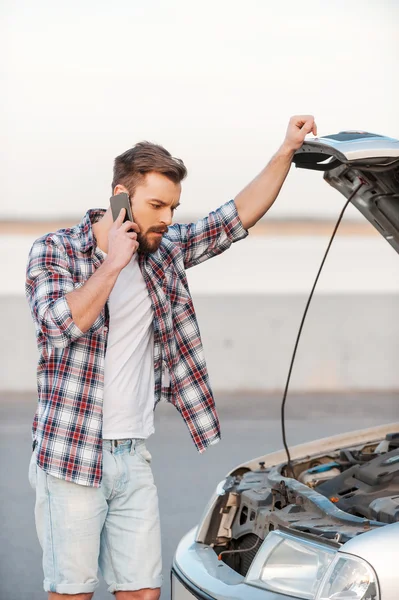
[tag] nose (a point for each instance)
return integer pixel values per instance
(167, 217)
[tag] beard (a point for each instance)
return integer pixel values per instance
(148, 244)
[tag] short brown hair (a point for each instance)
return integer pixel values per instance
(146, 157)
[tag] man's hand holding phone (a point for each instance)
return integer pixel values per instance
(87, 302)
(122, 241)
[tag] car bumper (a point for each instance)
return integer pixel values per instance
(197, 573)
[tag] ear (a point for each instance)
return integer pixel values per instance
(119, 189)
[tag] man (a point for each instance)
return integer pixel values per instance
(117, 332)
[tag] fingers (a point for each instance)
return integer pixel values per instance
(298, 128)
(120, 217)
(308, 126)
(127, 224)
(135, 227)
(305, 123)
(130, 225)
(135, 247)
(300, 120)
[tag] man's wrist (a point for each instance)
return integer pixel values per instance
(110, 267)
(286, 151)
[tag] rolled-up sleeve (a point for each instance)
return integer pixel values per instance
(209, 236)
(48, 280)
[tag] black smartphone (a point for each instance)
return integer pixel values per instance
(117, 203)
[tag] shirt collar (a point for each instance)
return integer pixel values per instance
(86, 230)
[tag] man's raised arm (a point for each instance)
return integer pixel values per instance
(258, 196)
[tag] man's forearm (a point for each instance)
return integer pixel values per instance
(87, 302)
(258, 196)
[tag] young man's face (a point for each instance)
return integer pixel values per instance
(153, 204)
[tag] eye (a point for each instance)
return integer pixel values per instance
(156, 205)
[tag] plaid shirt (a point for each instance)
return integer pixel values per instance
(67, 428)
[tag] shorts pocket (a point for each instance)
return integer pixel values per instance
(144, 455)
(32, 473)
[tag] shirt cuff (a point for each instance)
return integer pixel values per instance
(232, 222)
(62, 318)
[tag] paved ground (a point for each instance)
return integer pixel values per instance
(185, 479)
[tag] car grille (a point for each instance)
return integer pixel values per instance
(246, 558)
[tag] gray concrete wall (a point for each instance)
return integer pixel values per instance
(349, 342)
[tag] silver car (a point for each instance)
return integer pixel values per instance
(323, 525)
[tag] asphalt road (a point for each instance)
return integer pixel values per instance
(185, 479)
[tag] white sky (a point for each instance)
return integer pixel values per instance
(215, 82)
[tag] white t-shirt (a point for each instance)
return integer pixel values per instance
(128, 405)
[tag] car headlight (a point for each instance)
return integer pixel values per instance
(349, 578)
(290, 565)
(299, 567)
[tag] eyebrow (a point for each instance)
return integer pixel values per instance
(161, 202)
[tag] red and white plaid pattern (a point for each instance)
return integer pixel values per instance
(67, 428)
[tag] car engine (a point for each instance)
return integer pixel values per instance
(368, 488)
(335, 497)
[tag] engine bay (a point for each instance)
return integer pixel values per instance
(332, 497)
(350, 488)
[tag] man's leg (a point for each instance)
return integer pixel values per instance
(130, 556)
(55, 596)
(145, 594)
(69, 520)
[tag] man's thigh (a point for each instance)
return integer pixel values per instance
(130, 557)
(69, 519)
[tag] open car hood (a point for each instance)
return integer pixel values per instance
(351, 159)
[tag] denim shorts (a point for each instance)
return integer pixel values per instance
(114, 527)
